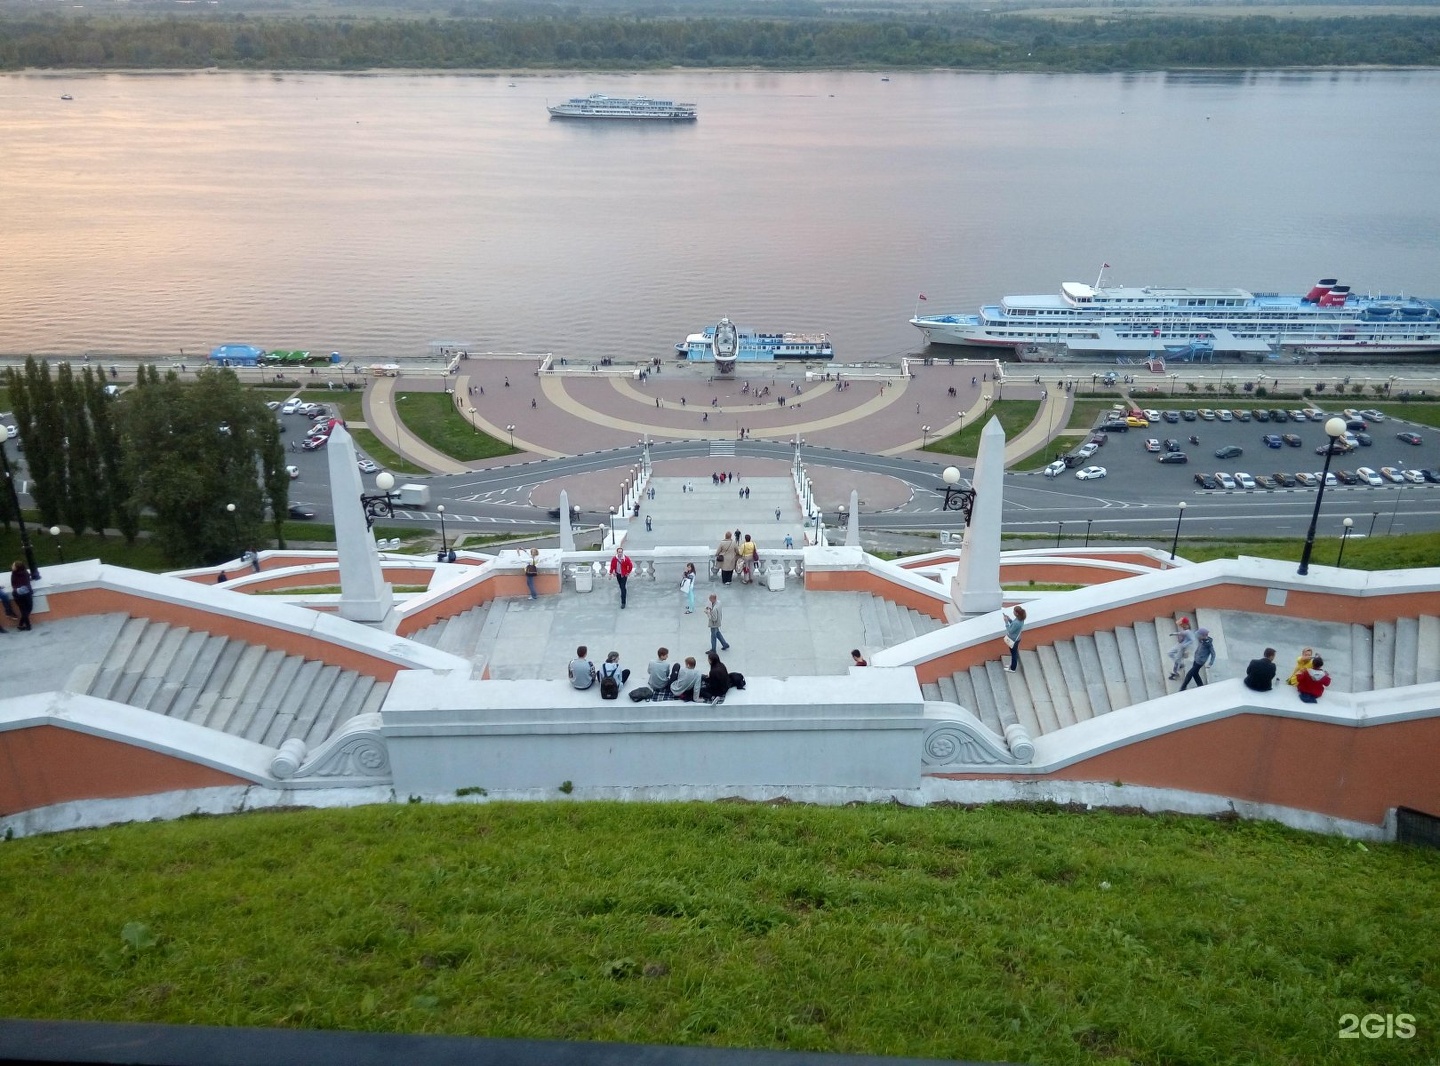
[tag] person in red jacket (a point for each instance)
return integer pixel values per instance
(620, 569)
(1313, 681)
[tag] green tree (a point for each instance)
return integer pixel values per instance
(192, 450)
(120, 508)
(85, 503)
(40, 421)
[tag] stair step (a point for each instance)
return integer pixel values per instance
(1382, 658)
(1036, 694)
(907, 624)
(299, 722)
(1092, 674)
(1108, 649)
(138, 663)
(331, 715)
(1152, 666)
(197, 679)
(1407, 645)
(1073, 675)
(984, 706)
(870, 620)
(931, 691)
(237, 685)
(248, 708)
(376, 699)
(1055, 682)
(948, 691)
(999, 678)
(207, 706)
(158, 667)
(1362, 665)
(163, 701)
(1132, 670)
(1427, 650)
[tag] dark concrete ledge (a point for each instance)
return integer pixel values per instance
(23, 1043)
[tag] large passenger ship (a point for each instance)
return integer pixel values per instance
(724, 344)
(600, 106)
(1088, 321)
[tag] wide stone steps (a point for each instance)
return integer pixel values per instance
(1071, 681)
(886, 623)
(258, 693)
(470, 635)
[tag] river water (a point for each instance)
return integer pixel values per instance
(374, 214)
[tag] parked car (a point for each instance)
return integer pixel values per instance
(293, 471)
(1085, 451)
(1369, 476)
(1308, 480)
(1224, 415)
(1415, 477)
(1364, 439)
(290, 406)
(1090, 473)
(1330, 478)
(1244, 480)
(1355, 425)
(1272, 440)
(1285, 481)
(312, 443)
(1241, 416)
(1347, 477)
(302, 510)
(1229, 451)
(1339, 444)
(1297, 416)
(1152, 445)
(1206, 481)
(1117, 426)
(1292, 439)
(1098, 439)
(1152, 415)
(1189, 416)
(1224, 479)
(270, 404)
(1207, 415)
(367, 466)
(1174, 457)
(1137, 423)
(1056, 468)
(1171, 444)
(1277, 415)
(1431, 475)
(1392, 474)
(1409, 437)
(1264, 481)
(1373, 415)
(1261, 415)
(1171, 416)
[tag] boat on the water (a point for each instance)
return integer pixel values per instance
(600, 106)
(725, 344)
(1091, 321)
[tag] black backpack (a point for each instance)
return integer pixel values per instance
(609, 684)
(737, 680)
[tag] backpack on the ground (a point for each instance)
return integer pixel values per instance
(737, 680)
(641, 694)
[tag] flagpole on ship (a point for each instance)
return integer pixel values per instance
(1100, 279)
(918, 299)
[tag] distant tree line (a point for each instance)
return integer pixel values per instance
(950, 38)
(179, 453)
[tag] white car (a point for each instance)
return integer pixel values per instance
(1369, 476)
(1085, 451)
(290, 406)
(1225, 480)
(1392, 473)
(271, 404)
(1244, 480)
(1152, 445)
(1415, 477)
(1225, 415)
(1298, 416)
(369, 466)
(1207, 414)
(1152, 415)
(1090, 473)
(293, 471)
(1055, 469)
(1373, 416)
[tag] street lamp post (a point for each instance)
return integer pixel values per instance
(1333, 429)
(1344, 536)
(382, 505)
(1175, 543)
(440, 509)
(956, 498)
(1059, 533)
(1088, 523)
(234, 528)
(5, 434)
(59, 546)
(924, 436)
(612, 525)
(511, 430)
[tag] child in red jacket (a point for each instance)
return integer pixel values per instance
(1312, 681)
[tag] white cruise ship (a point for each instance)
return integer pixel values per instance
(1087, 321)
(726, 344)
(600, 106)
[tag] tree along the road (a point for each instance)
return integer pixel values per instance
(67, 426)
(191, 450)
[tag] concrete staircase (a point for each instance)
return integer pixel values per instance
(246, 690)
(1061, 684)
(887, 623)
(470, 635)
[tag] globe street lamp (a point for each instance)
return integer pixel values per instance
(1176, 542)
(924, 436)
(511, 430)
(5, 434)
(956, 498)
(440, 509)
(1333, 429)
(234, 527)
(383, 505)
(59, 547)
(1344, 536)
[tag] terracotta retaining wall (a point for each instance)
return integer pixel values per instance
(93, 601)
(1339, 770)
(44, 765)
(1326, 606)
(496, 586)
(861, 580)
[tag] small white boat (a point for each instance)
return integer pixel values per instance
(66, 96)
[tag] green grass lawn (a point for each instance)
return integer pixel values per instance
(432, 417)
(1022, 935)
(1014, 415)
(372, 446)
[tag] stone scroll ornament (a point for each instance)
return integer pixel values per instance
(357, 754)
(960, 743)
